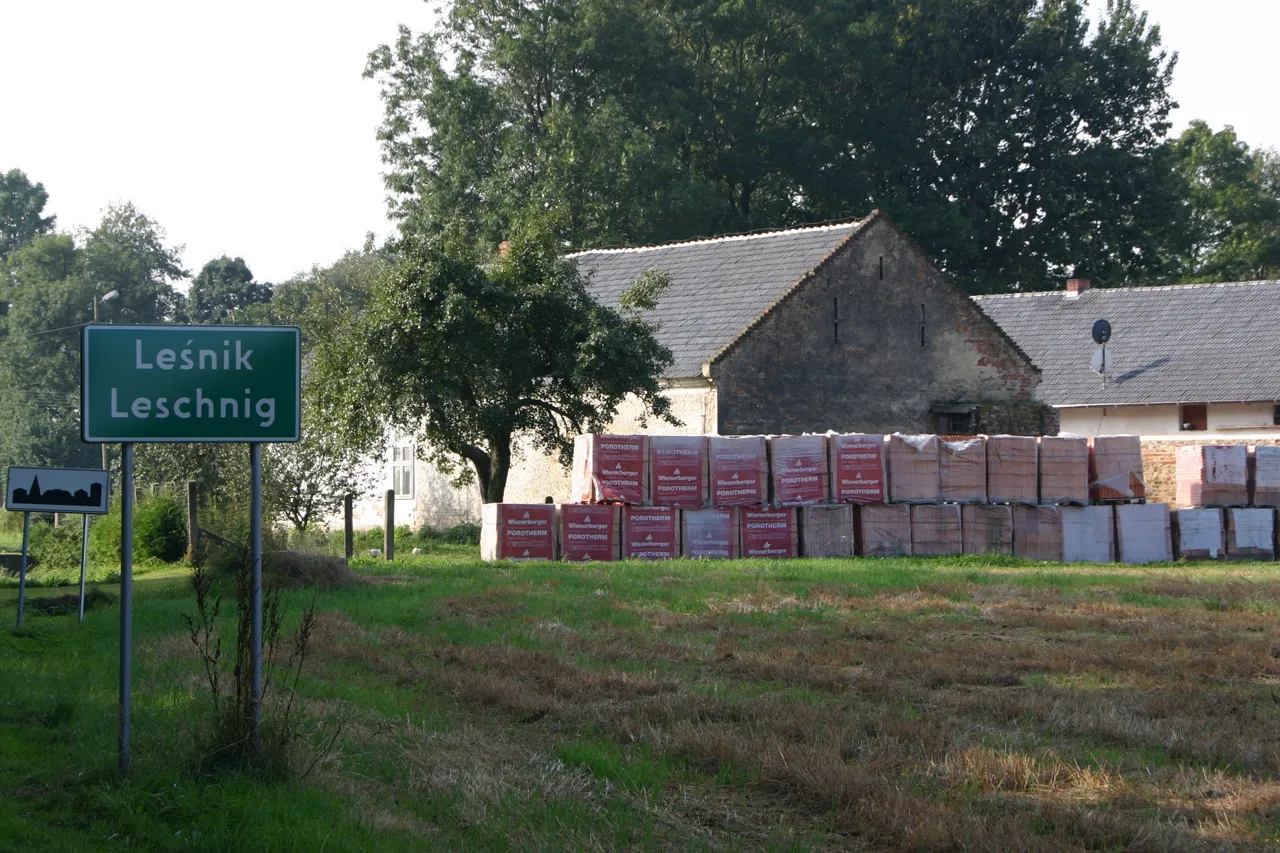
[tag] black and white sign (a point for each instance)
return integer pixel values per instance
(57, 490)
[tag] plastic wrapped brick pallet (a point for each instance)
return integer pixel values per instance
(1037, 532)
(913, 468)
(712, 533)
(962, 471)
(1064, 469)
(1143, 534)
(935, 530)
(857, 468)
(1265, 473)
(1212, 475)
(769, 532)
(611, 469)
(1013, 472)
(650, 533)
(739, 471)
(589, 532)
(1198, 534)
(826, 531)
(680, 477)
(987, 529)
(523, 532)
(1115, 468)
(884, 530)
(799, 466)
(1251, 534)
(1088, 534)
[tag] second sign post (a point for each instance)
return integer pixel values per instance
(189, 384)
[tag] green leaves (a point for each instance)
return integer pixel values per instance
(21, 203)
(469, 353)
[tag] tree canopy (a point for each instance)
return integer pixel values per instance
(1016, 143)
(21, 203)
(221, 288)
(465, 352)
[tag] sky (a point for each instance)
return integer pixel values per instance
(244, 127)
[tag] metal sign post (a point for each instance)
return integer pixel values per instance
(84, 561)
(189, 384)
(22, 572)
(126, 604)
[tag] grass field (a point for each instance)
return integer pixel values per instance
(838, 705)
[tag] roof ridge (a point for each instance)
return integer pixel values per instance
(1134, 289)
(748, 235)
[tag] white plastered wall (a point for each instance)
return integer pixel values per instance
(1228, 421)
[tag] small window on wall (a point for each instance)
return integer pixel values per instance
(402, 469)
(1193, 417)
(1275, 416)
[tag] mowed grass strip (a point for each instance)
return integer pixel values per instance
(838, 704)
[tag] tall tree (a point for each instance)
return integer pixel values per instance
(1234, 198)
(222, 287)
(467, 353)
(21, 203)
(1011, 139)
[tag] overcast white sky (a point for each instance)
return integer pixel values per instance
(244, 127)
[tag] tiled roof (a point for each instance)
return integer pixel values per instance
(719, 287)
(1201, 343)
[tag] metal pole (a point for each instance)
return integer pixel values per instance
(126, 603)
(255, 648)
(22, 572)
(84, 561)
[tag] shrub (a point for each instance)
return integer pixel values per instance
(463, 534)
(56, 547)
(160, 530)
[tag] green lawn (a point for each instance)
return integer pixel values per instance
(747, 705)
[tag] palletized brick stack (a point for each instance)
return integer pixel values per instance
(1054, 498)
(1226, 496)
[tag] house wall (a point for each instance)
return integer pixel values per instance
(794, 371)
(1227, 422)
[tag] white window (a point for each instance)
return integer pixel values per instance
(402, 468)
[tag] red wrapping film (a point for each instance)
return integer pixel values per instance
(590, 532)
(884, 530)
(611, 469)
(1115, 468)
(962, 471)
(935, 530)
(713, 533)
(1212, 475)
(1013, 472)
(856, 463)
(521, 532)
(769, 533)
(987, 529)
(1064, 469)
(679, 466)
(650, 533)
(913, 468)
(739, 471)
(826, 531)
(799, 465)
(1037, 532)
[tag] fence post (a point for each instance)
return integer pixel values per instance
(193, 521)
(348, 526)
(389, 532)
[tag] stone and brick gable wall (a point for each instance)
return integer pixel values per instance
(843, 351)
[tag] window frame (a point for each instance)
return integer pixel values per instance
(403, 457)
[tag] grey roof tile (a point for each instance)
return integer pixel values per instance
(718, 287)
(1204, 343)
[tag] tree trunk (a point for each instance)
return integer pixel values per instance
(501, 465)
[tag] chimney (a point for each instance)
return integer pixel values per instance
(1077, 286)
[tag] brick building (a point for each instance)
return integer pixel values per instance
(841, 327)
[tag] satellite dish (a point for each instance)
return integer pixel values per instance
(1101, 332)
(1101, 361)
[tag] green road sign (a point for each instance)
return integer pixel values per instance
(190, 383)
